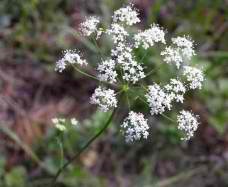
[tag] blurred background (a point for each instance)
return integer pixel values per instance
(32, 35)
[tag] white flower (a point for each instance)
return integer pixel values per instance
(117, 32)
(187, 123)
(181, 52)
(107, 71)
(172, 55)
(122, 65)
(182, 42)
(60, 65)
(150, 36)
(104, 98)
(176, 90)
(71, 57)
(185, 46)
(135, 127)
(121, 52)
(132, 71)
(74, 121)
(89, 26)
(59, 124)
(194, 76)
(126, 15)
(158, 100)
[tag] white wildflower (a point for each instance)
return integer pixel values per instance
(182, 42)
(60, 65)
(194, 76)
(158, 100)
(135, 127)
(121, 52)
(176, 90)
(185, 46)
(74, 121)
(127, 15)
(187, 123)
(59, 124)
(117, 32)
(107, 71)
(89, 26)
(71, 57)
(122, 65)
(150, 36)
(172, 55)
(132, 71)
(104, 98)
(181, 52)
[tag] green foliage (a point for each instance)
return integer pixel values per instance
(16, 177)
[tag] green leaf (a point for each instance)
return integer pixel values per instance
(16, 177)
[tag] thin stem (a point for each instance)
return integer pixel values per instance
(60, 142)
(143, 100)
(128, 101)
(153, 70)
(145, 54)
(167, 117)
(98, 48)
(144, 87)
(119, 92)
(86, 74)
(91, 140)
(93, 77)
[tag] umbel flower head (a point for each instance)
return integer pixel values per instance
(121, 72)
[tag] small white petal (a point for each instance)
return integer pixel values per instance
(135, 127)
(187, 123)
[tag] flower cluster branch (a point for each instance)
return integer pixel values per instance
(122, 69)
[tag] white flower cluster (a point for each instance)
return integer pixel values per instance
(60, 123)
(127, 15)
(122, 70)
(194, 77)
(89, 26)
(176, 90)
(135, 127)
(104, 98)
(181, 52)
(158, 100)
(107, 71)
(149, 37)
(132, 71)
(187, 123)
(71, 57)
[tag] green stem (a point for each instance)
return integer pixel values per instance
(98, 48)
(86, 74)
(128, 101)
(91, 140)
(153, 70)
(145, 54)
(93, 77)
(167, 117)
(60, 142)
